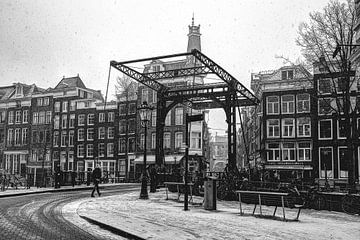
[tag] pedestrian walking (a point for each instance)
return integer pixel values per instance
(96, 176)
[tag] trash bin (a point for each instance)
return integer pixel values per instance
(210, 194)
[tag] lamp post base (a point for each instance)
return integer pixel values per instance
(144, 193)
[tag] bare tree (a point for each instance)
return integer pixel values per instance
(126, 90)
(331, 29)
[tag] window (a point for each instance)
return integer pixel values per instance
(122, 126)
(288, 127)
(89, 150)
(71, 138)
(341, 129)
(304, 127)
(122, 109)
(273, 128)
(72, 121)
(144, 95)
(288, 152)
(178, 139)
(90, 119)
(168, 119)
(101, 117)
(17, 138)
(326, 106)
(10, 137)
(57, 107)
(80, 150)
(48, 117)
(111, 132)
(110, 149)
(153, 140)
(132, 108)
(272, 105)
(71, 161)
(142, 141)
(167, 138)
(343, 162)
(46, 101)
(3, 116)
(122, 145)
(196, 140)
(111, 116)
(122, 167)
(154, 96)
(81, 134)
(35, 118)
(63, 138)
(288, 104)
(11, 117)
(18, 117)
(42, 118)
(64, 121)
(131, 145)
(56, 139)
(101, 133)
(153, 118)
(289, 74)
(303, 103)
(24, 136)
(81, 120)
(65, 106)
(324, 85)
(40, 101)
(132, 125)
(326, 162)
(273, 152)
(101, 150)
(325, 129)
(57, 122)
(179, 116)
(72, 105)
(90, 134)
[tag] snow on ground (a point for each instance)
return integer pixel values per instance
(158, 218)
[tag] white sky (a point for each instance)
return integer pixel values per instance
(41, 40)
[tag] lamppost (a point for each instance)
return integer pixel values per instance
(145, 116)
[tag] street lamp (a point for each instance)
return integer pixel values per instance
(145, 116)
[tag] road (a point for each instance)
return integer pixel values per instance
(40, 216)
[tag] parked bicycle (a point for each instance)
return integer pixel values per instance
(314, 200)
(350, 204)
(13, 180)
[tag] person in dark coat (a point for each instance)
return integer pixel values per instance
(96, 176)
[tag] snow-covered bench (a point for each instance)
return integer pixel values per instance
(276, 199)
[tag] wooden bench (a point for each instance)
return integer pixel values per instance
(277, 199)
(178, 185)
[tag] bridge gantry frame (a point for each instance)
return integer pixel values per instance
(227, 95)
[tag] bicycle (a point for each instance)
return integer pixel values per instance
(314, 200)
(350, 204)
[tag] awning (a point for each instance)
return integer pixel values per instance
(150, 159)
(289, 167)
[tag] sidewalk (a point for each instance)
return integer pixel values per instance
(157, 218)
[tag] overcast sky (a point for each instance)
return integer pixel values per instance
(41, 40)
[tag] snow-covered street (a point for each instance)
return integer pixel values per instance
(158, 218)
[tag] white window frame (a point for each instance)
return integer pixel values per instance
(338, 164)
(179, 116)
(287, 104)
(329, 176)
(111, 116)
(178, 140)
(80, 150)
(101, 117)
(90, 119)
(284, 126)
(81, 120)
(268, 126)
(81, 134)
(89, 150)
(101, 149)
(102, 133)
(304, 149)
(109, 147)
(288, 150)
(331, 129)
(303, 103)
(274, 151)
(302, 133)
(90, 134)
(338, 129)
(272, 104)
(153, 140)
(167, 140)
(71, 138)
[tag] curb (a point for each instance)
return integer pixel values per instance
(112, 229)
(54, 190)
